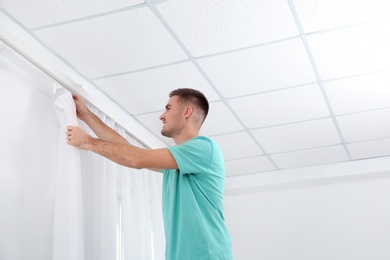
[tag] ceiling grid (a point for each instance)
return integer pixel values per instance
(193, 60)
(319, 80)
(291, 83)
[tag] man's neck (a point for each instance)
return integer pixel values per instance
(184, 138)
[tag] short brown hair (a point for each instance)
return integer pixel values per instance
(193, 96)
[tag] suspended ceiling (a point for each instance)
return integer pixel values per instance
(290, 83)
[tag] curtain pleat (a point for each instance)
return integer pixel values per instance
(136, 216)
(155, 180)
(68, 235)
(100, 200)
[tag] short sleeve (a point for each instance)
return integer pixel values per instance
(193, 156)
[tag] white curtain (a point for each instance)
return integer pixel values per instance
(89, 198)
(100, 202)
(68, 241)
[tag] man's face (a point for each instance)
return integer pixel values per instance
(172, 118)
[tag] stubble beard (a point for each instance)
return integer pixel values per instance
(165, 133)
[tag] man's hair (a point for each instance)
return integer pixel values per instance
(194, 97)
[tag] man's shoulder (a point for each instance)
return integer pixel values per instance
(202, 139)
(197, 140)
(199, 146)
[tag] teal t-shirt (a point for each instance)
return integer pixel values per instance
(192, 203)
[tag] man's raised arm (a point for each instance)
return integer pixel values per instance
(124, 154)
(103, 131)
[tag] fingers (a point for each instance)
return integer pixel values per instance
(76, 137)
(77, 99)
(75, 96)
(69, 132)
(71, 127)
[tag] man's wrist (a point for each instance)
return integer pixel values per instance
(89, 118)
(89, 144)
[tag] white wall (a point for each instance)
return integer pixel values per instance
(342, 218)
(28, 138)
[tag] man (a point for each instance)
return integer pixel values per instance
(193, 171)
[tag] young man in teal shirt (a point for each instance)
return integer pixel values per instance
(193, 171)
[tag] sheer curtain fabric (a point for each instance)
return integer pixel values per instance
(90, 191)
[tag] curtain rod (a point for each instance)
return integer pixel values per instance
(20, 40)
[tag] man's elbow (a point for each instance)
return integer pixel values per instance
(137, 163)
(142, 159)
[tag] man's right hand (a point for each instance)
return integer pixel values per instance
(103, 131)
(81, 108)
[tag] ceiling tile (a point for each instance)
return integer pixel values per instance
(370, 149)
(147, 91)
(361, 93)
(281, 107)
(207, 27)
(260, 69)
(298, 136)
(101, 46)
(310, 157)
(42, 12)
(318, 15)
(248, 165)
(353, 50)
(365, 126)
(220, 120)
(237, 145)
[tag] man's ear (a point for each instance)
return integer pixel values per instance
(188, 111)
